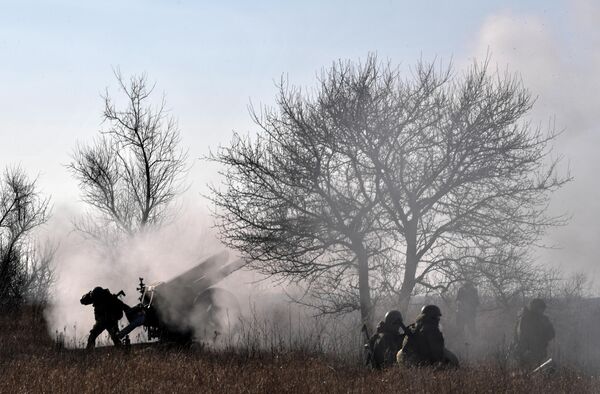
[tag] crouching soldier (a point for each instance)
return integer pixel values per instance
(108, 310)
(424, 343)
(533, 332)
(387, 341)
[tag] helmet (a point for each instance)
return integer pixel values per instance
(97, 292)
(537, 304)
(431, 310)
(393, 317)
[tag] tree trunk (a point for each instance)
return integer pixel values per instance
(366, 313)
(410, 269)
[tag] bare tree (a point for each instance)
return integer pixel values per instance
(461, 169)
(432, 170)
(38, 268)
(22, 209)
(506, 275)
(135, 169)
(297, 208)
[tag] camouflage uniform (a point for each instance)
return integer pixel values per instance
(424, 343)
(533, 332)
(387, 342)
(108, 310)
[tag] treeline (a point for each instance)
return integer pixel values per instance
(26, 272)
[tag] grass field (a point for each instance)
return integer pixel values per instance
(31, 362)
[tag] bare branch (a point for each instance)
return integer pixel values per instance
(133, 172)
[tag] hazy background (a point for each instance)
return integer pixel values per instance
(56, 58)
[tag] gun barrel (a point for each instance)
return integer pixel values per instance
(177, 296)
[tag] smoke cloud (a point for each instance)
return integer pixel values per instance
(157, 255)
(561, 70)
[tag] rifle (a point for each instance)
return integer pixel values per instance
(547, 368)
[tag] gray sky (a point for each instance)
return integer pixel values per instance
(56, 58)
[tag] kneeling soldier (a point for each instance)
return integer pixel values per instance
(424, 343)
(387, 341)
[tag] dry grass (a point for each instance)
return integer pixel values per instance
(31, 362)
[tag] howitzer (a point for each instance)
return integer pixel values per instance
(188, 305)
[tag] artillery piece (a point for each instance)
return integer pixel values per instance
(188, 307)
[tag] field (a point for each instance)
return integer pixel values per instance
(31, 362)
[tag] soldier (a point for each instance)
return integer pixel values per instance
(108, 310)
(467, 301)
(424, 343)
(533, 332)
(387, 341)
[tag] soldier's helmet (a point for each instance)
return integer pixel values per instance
(97, 293)
(431, 310)
(538, 305)
(393, 317)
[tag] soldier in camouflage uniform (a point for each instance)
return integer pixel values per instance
(108, 310)
(424, 343)
(387, 341)
(533, 332)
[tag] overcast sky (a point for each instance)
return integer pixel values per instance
(211, 60)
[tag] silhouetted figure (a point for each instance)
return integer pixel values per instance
(424, 343)
(108, 310)
(467, 302)
(533, 332)
(387, 341)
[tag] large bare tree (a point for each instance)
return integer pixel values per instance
(135, 168)
(462, 169)
(433, 169)
(297, 208)
(24, 269)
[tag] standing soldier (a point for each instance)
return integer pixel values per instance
(108, 310)
(387, 341)
(533, 332)
(467, 302)
(424, 343)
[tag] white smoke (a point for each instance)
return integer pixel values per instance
(559, 61)
(156, 255)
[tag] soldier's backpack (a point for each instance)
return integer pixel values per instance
(113, 305)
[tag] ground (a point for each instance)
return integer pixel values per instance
(31, 362)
